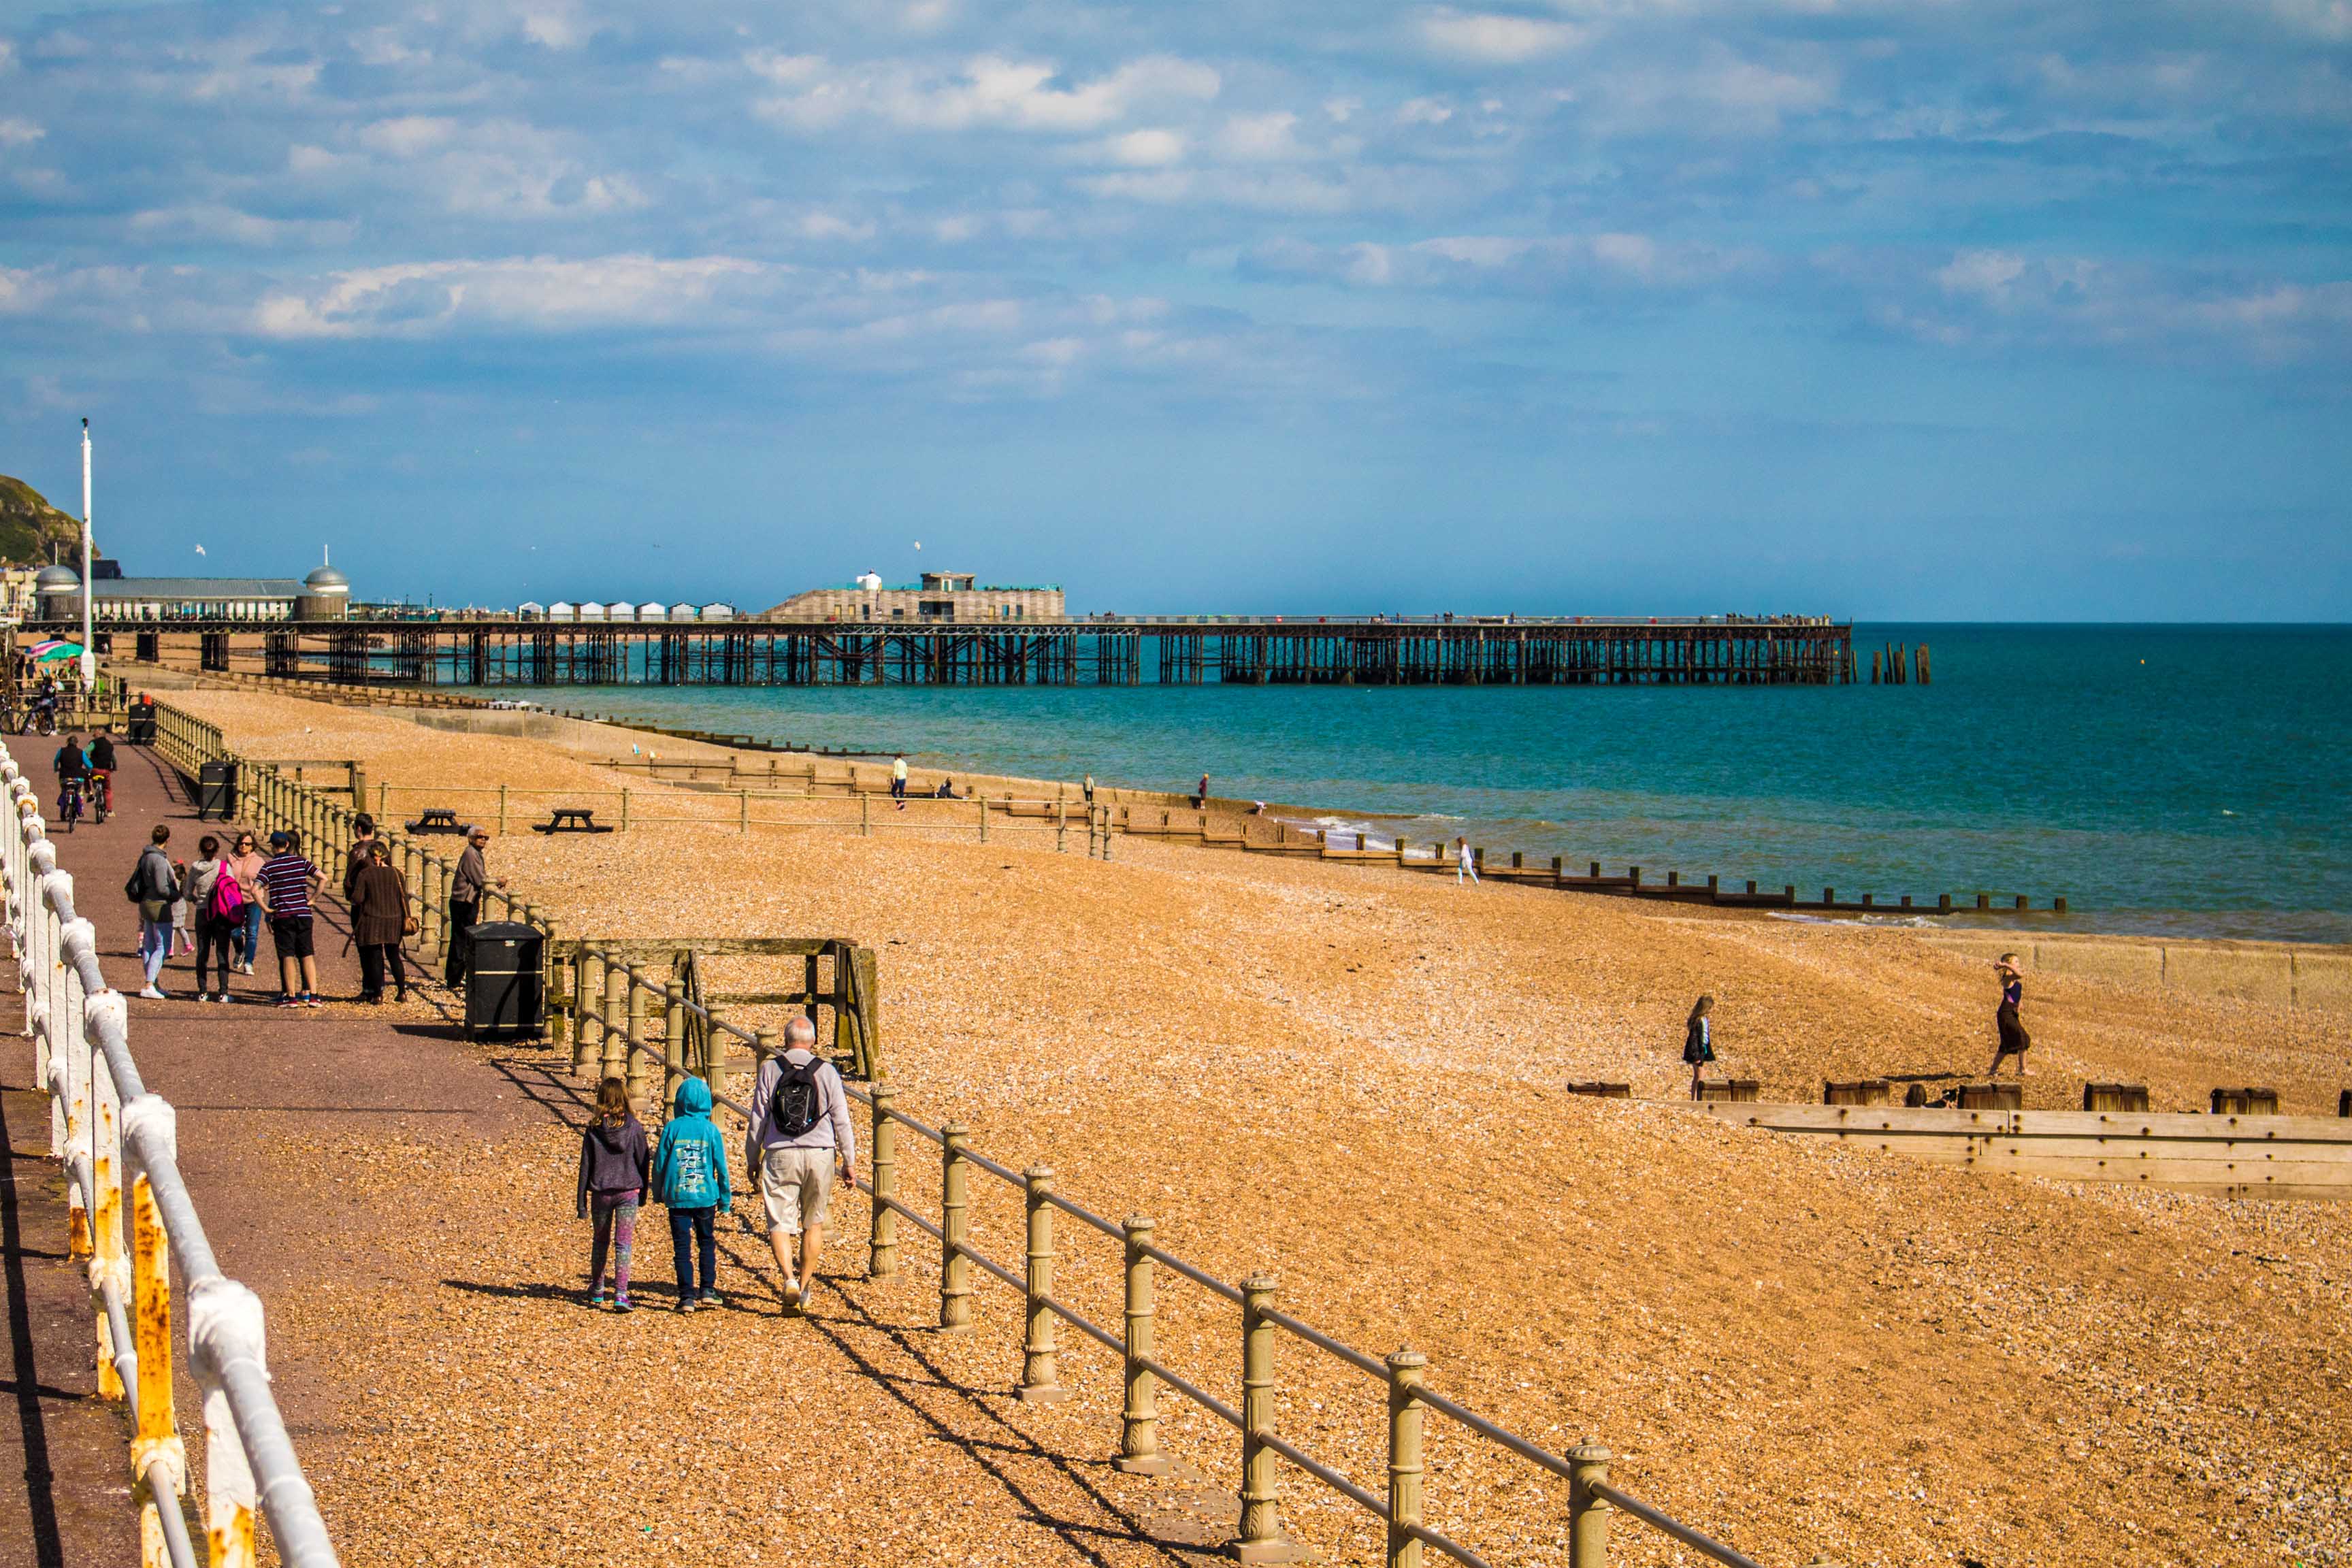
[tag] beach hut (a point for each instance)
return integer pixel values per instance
(681, 611)
(718, 611)
(653, 610)
(531, 610)
(563, 610)
(590, 610)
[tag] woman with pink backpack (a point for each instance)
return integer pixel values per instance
(218, 901)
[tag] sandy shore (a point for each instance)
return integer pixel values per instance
(1352, 1075)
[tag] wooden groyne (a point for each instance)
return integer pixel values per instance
(1189, 650)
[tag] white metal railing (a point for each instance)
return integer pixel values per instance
(130, 1215)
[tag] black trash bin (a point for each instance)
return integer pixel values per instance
(505, 995)
(141, 728)
(215, 791)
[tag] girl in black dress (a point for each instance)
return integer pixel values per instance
(1698, 1041)
(2014, 1040)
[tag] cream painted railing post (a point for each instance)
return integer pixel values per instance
(1588, 1516)
(955, 1269)
(222, 1313)
(1406, 1370)
(882, 1247)
(864, 817)
(1261, 1532)
(158, 1436)
(108, 1260)
(1041, 1380)
(561, 1004)
(1139, 1437)
(714, 1054)
(1061, 826)
(502, 811)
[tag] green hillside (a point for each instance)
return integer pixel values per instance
(28, 523)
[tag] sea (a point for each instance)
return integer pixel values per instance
(2181, 780)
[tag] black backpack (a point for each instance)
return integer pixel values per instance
(796, 1105)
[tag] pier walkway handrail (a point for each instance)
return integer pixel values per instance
(609, 1012)
(105, 1126)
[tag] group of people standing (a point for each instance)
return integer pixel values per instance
(800, 1141)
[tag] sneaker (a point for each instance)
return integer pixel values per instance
(622, 1304)
(288, 1002)
(598, 1300)
(707, 1300)
(311, 999)
(151, 995)
(791, 1295)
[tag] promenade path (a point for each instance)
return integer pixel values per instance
(402, 1200)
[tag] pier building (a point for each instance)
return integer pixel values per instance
(939, 596)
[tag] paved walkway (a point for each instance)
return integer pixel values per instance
(282, 1117)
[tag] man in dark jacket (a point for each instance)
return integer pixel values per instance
(466, 890)
(153, 885)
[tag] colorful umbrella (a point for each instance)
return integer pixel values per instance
(55, 649)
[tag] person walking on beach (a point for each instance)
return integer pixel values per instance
(380, 919)
(216, 931)
(1698, 1041)
(613, 1161)
(691, 1177)
(2014, 1040)
(1089, 788)
(1200, 795)
(153, 887)
(466, 890)
(1466, 863)
(244, 863)
(899, 780)
(286, 882)
(800, 1135)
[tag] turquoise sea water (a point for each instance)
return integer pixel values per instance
(2183, 779)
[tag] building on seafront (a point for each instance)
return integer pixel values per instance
(939, 596)
(324, 596)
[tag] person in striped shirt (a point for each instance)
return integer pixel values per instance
(286, 881)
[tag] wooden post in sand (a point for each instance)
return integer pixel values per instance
(502, 811)
(585, 990)
(637, 1059)
(673, 1036)
(611, 1057)
(955, 1269)
(882, 1153)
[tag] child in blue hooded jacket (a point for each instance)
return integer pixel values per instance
(691, 1174)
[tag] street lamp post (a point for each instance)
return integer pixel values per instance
(88, 649)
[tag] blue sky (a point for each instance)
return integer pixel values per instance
(1957, 310)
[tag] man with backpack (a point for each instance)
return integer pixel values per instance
(800, 1134)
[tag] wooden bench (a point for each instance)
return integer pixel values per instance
(570, 819)
(437, 819)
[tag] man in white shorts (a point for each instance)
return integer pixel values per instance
(801, 1135)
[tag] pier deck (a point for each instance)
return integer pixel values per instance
(1168, 651)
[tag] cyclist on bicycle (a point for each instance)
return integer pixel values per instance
(73, 771)
(101, 773)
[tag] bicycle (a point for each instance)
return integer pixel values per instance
(101, 796)
(70, 802)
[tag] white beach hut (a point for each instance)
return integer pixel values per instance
(681, 611)
(718, 611)
(653, 610)
(590, 610)
(531, 610)
(563, 610)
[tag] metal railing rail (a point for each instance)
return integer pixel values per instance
(611, 1033)
(130, 1215)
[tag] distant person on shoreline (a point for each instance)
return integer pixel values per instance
(946, 790)
(1698, 1041)
(1200, 796)
(899, 780)
(1466, 863)
(1089, 788)
(2014, 1040)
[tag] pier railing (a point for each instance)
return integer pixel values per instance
(617, 1039)
(130, 1215)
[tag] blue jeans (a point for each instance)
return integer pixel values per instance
(154, 946)
(694, 1225)
(249, 933)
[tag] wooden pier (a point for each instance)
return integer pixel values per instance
(1172, 651)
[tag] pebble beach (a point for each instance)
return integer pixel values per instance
(1353, 1078)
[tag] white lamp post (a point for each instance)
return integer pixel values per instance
(88, 649)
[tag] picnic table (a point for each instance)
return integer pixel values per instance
(437, 819)
(570, 819)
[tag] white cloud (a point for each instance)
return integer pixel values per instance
(1152, 149)
(988, 90)
(16, 131)
(1491, 39)
(1424, 112)
(212, 220)
(1986, 274)
(536, 293)
(1263, 138)
(409, 136)
(304, 159)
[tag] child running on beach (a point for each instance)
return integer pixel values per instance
(1466, 863)
(690, 1174)
(613, 1161)
(2014, 1040)
(1698, 1041)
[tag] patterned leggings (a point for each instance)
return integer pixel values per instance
(615, 1214)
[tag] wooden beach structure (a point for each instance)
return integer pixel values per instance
(1177, 650)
